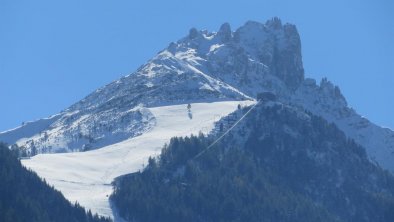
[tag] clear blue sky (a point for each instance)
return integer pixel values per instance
(53, 53)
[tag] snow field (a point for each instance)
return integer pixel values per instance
(86, 176)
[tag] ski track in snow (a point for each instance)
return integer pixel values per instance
(86, 176)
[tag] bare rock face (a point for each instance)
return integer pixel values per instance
(275, 45)
(193, 33)
(225, 33)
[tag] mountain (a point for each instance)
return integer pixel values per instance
(279, 164)
(130, 119)
(25, 197)
(203, 66)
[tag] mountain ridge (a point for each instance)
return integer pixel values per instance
(204, 66)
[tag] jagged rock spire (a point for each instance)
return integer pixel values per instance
(225, 32)
(193, 33)
(275, 45)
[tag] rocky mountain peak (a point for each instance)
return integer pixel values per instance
(332, 90)
(193, 33)
(275, 45)
(274, 23)
(203, 66)
(224, 32)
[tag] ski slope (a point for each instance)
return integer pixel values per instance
(86, 176)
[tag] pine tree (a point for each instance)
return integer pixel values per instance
(33, 149)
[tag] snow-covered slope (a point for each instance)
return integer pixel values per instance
(77, 130)
(86, 176)
(201, 67)
(116, 112)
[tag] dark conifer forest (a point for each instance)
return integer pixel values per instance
(278, 165)
(24, 197)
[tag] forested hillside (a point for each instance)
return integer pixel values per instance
(280, 164)
(24, 197)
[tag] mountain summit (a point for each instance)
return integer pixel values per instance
(203, 66)
(250, 53)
